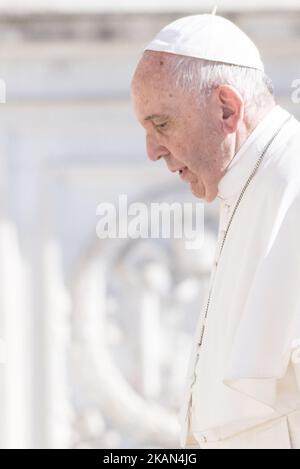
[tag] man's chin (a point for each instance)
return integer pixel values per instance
(201, 193)
(197, 192)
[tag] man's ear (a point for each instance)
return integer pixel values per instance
(231, 106)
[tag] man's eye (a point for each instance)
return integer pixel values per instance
(161, 126)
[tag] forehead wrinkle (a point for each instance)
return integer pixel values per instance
(152, 66)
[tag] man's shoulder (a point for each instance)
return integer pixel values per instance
(293, 140)
(279, 178)
(290, 145)
(283, 167)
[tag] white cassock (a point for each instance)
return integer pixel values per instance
(243, 382)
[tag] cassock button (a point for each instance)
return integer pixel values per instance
(202, 439)
(296, 356)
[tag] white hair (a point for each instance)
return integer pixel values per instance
(202, 76)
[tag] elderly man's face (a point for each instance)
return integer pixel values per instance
(177, 129)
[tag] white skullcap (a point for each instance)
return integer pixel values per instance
(208, 37)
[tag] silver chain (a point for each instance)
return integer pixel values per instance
(258, 163)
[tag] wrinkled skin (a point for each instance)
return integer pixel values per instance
(185, 134)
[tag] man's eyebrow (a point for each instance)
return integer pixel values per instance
(155, 116)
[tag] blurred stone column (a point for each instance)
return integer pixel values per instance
(14, 318)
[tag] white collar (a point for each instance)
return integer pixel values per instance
(242, 164)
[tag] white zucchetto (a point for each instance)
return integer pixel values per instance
(208, 37)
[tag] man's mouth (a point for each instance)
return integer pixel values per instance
(183, 172)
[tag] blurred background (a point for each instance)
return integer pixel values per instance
(95, 335)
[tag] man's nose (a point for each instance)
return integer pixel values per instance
(154, 149)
